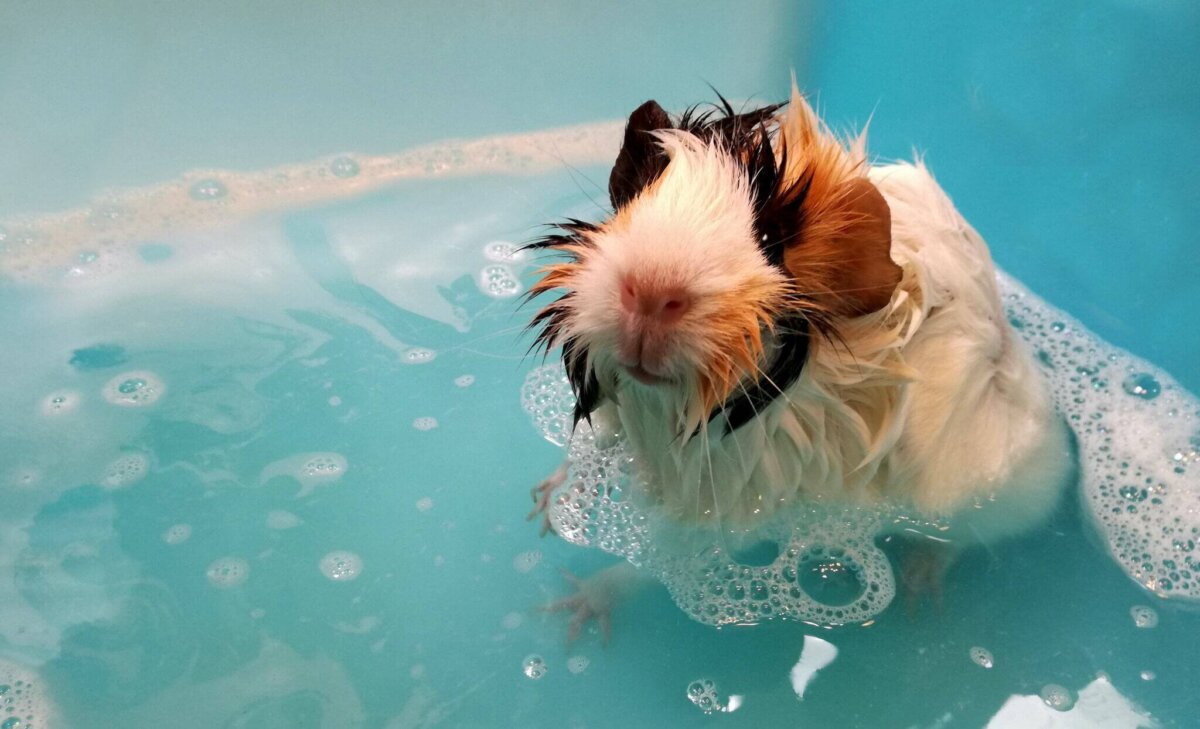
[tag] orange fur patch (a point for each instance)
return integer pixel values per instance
(842, 255)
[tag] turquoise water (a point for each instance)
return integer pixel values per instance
(264, 462)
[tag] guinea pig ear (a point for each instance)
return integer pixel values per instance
(845, 259)
(641, 160)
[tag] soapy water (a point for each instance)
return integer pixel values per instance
(830, 575)
(1138, 434)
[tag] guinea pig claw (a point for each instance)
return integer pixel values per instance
(541, 494)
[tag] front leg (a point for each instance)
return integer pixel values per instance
(541, 497)
(596, 596)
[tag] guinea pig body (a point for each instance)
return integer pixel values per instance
(770, 321)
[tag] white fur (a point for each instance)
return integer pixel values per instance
(935, 406)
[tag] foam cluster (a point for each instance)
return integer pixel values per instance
(1138, 442)
(23, 701)
(90, 238)
(601, 505)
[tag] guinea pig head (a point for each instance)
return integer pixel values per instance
(698, 281)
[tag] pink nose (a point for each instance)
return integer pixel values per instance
(664, 305)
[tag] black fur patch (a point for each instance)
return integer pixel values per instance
(783, 372)
(640, 160)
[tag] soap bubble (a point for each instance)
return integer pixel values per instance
(418, 355)
(24, 477)
(60, 402)
(138, 388)
(425, 423)
(228, 572)
(464, 380)
(1142, 385)
(578, 664)
(831, 579)
(982, 657)
(1144, 616)
(503, 252)
(343, 167)
(424, 504)
(1147, 675)
(1057, 697)
(208, 189)
(526, 561)
(703, 693)
(534, 666)
(125, 470)
(512, 621)
(499, 281)
(177, 534)
(341, 566)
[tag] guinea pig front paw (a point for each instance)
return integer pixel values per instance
(542, 494)
(592, 599)
(923, 570)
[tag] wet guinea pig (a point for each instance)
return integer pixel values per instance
(769, 319)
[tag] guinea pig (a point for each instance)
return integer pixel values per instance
(769, 320)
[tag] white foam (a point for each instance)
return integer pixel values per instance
(464, 380)
(425, 423)
(578, 664)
